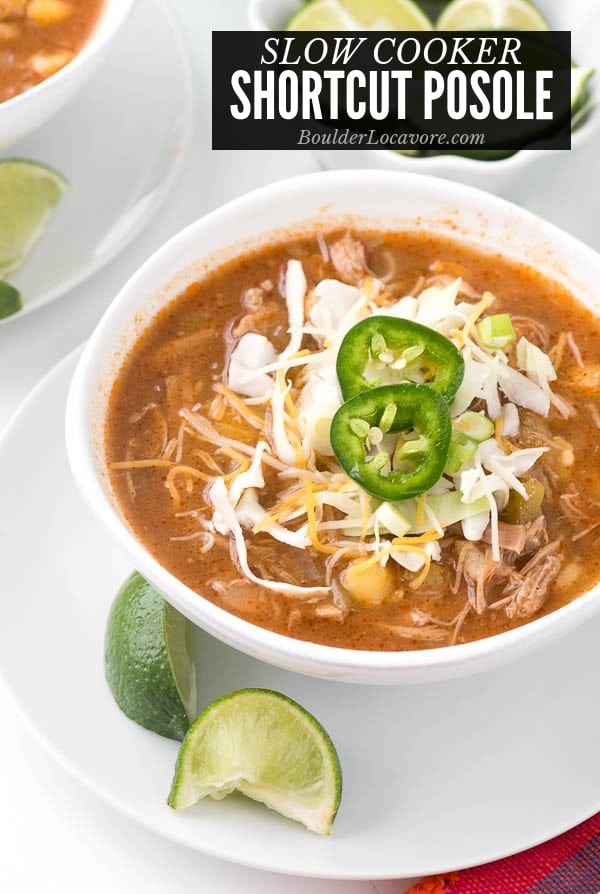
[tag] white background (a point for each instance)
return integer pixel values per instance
(55, 836)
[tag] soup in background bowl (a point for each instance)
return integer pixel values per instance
(198, 426)
(48, 49)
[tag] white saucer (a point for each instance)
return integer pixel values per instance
(120, 144)
(436, 777)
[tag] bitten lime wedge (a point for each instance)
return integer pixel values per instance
(497, 15)
(10, 300)
(28, 193)
(352, 15)
(268, 747)
(148, 660)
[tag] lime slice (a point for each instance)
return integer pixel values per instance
(265, 745)
(10, 300)
(352, 15)
(580, 94)
(148, 660)
(28, 193)
(497, 15)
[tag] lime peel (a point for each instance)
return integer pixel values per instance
(10, 300)
(265, 745)
(148, 662)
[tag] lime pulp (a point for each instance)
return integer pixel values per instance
(28, 193)
(351, 15)
(480, 15)
(266, 746)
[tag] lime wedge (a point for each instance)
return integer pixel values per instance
(497, 15)
(148, 660)
(266, 746)
(10, 300)
(353, 15)
(580, 94)
(484, 154)
(28, 193)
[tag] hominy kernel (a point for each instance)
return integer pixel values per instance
(46, 64)
(48, 12)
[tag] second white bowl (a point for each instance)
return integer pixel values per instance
(32, 108)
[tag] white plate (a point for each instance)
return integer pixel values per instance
(435, 776)
(120, 144)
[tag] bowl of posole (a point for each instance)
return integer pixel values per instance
(508, 175)
(380, 200)
(23, 113)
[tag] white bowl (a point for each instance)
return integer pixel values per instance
(291, 207)
(30, 109)
(505, 177)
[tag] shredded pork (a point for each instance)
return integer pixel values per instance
(529, 588)
(349, 259)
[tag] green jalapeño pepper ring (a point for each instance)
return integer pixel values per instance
(393, 468)
(384, 350)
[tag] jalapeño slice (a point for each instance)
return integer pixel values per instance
(395, 466)
(382, 350)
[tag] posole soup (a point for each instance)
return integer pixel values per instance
(39, 37)
(372, 440)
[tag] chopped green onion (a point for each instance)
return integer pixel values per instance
(476, 426)
(496, 331)
(462, 450)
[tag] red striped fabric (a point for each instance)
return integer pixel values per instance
(569, 864)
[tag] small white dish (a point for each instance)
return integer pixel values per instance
(120, 149)
(506, 177)
(28, 110)
(436, 777)
(303, 205)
